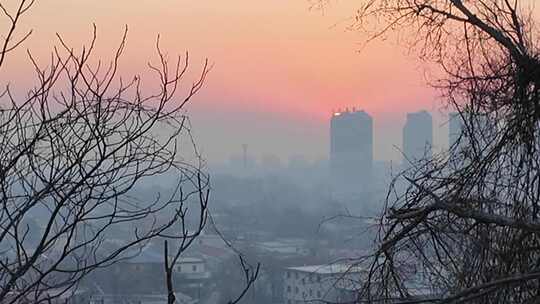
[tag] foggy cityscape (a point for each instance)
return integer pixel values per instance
(274, 152)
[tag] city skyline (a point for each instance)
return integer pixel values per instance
(442, 134)
(281, 66)
(207, 152)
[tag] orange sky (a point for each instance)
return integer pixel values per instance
(279, 69)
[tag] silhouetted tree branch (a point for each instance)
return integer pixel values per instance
(463, 227)
(73, 151)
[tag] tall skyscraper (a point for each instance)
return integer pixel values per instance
(351, 150)
(418, 136)
(455, 127)
(466, 129)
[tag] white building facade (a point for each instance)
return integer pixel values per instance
(334, 283)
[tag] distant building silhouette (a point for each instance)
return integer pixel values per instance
(455, 128)
(466, 130)
(351, 150)
(418, 136)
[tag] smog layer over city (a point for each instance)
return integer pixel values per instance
(269, 152)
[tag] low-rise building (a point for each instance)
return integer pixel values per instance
(331, 283)
(289, 247)
(142, 273)
(140, 299)
(192, 268)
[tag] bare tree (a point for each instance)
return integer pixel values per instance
(73, 151)
(465, 229)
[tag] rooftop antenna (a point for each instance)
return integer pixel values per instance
(244, 154)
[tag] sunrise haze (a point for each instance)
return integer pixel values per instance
(280, 68)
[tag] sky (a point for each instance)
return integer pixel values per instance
(279, 68)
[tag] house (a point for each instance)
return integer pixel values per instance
(332, 283)
(191, 268)
(67, 295)
(285, 247)
(142, 272)
(140, 299)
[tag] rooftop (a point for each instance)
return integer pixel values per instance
(350, 113)
(145, 254)
(328, 269)
(190, 260)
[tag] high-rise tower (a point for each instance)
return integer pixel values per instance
(351, 150)
(418, 136)
(455, 128)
